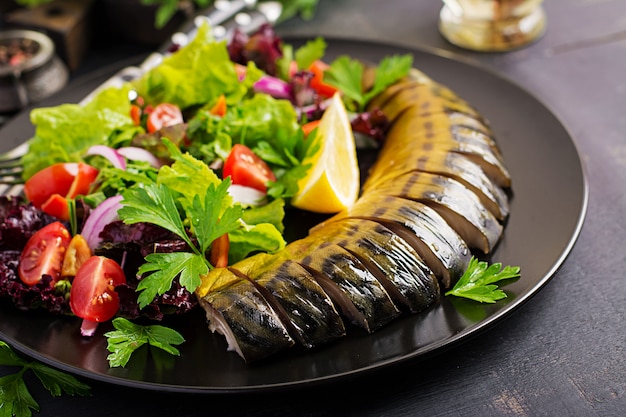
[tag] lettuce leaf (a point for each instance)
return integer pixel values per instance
(197, 74)
(63, 133)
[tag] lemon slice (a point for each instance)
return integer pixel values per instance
(332, 183)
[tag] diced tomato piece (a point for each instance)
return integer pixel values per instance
(57, 206)
(219, 251)
(244, 167)
(164, 114)
(93, 296)
(307, 128)
(135, 114)
(317, 82)
(219, 108)
(44, 253)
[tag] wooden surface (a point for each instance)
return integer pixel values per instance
(563, 352)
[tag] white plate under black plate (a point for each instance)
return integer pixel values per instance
(547, 210)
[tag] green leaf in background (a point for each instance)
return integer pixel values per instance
(310, 52)
(16, 400)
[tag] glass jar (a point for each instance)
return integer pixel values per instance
(492, 25)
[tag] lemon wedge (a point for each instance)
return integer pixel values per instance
(332, 183)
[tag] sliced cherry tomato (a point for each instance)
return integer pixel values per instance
(82, 182)
(67, 179)
(76, 255)
(48, 188)
(44, 253)
(317, 82)
(244, 167)
(165, 114)
(55, 179)
(93, 296)
(219, 251)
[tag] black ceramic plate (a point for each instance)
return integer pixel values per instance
(547, 211)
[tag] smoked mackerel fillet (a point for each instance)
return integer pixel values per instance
(436, 194)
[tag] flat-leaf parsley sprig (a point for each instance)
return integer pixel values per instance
(478, 281)
(206, 208)
(16, 400)
(128, 337)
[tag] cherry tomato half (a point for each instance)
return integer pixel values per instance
(63, 180)
(165, 114)
(244, 167)
(317, 82)
(93, 296)
(44, 253)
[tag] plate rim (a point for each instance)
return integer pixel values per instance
(430, 350)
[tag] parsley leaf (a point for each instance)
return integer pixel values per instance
(346, 74)
(186, 194)
(152, 204)
(165, 267)
(310, 52)
(210, 219)
(16, 400)
(129, 336)
(478, 281)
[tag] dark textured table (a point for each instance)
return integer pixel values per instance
(563, 352)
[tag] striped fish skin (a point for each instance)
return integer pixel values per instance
(440, 246)
(305, 309)
(405, 276)
(419, 107)
(407, 139)
(438, 190)
(448, 164)
(428, 98)
(356, 292)
(239, 311)
(458, 205)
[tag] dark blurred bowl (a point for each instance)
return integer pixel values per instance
(39, 75)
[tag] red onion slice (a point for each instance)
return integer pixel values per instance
(246, 196)
(109, 153)
(102, 215)
(88, 328)
(274, 87)
(135, 153)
